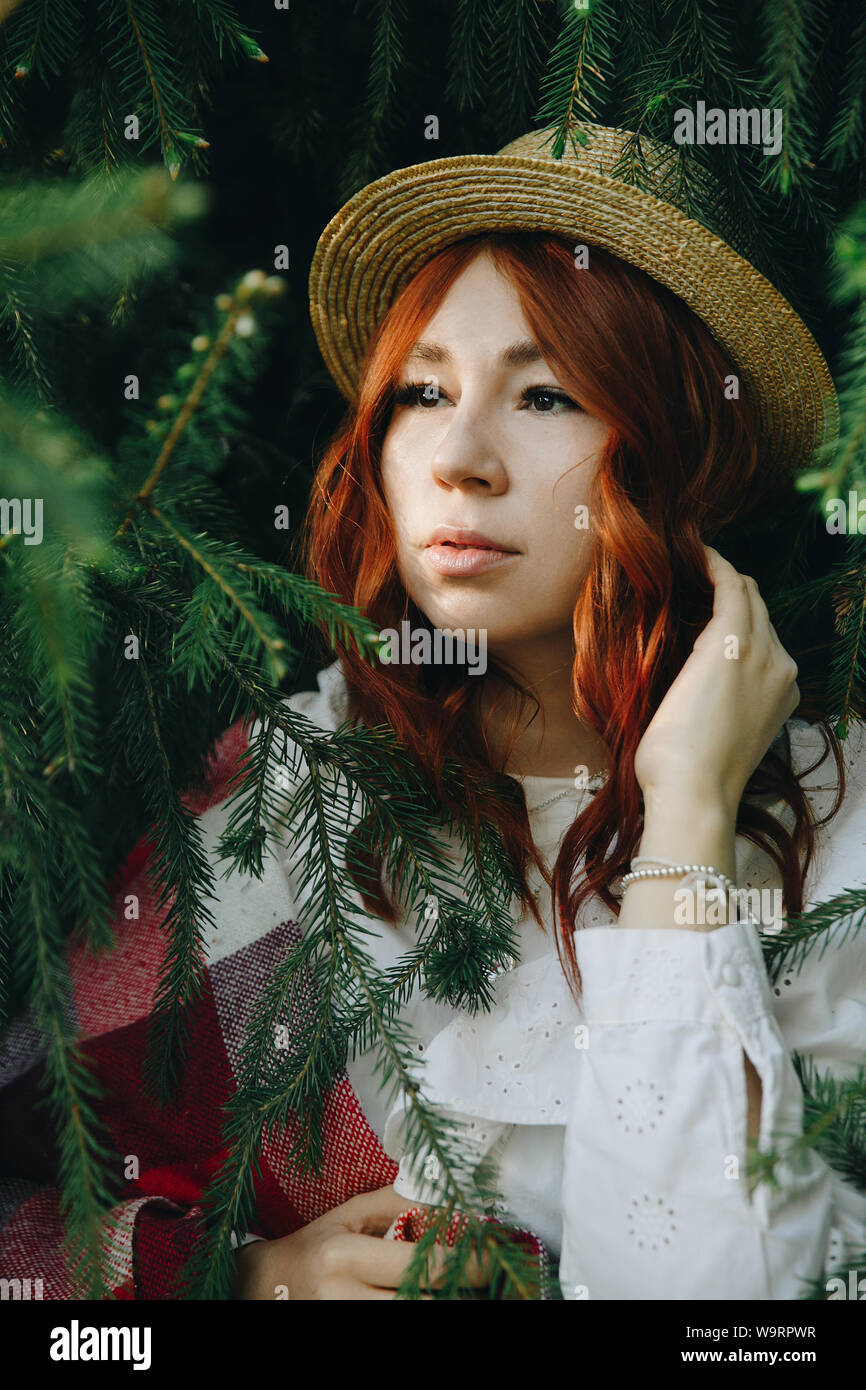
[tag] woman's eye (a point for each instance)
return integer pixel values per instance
(548, 398)
(422, 393)
(427, 395)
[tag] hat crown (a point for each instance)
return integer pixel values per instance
(649, 165)
(631, 196)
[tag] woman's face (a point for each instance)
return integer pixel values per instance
(500, 451)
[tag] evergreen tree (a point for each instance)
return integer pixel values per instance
(162, 603)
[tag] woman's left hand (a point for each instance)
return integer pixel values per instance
(724, 709)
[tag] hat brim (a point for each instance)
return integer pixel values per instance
(383, 235)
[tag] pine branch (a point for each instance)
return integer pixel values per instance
(7, 96)
(83, 240)
(470, 40)
(53, 628)
(220, 18)
(707, 34)
(180, 864)
(185, 875)
(319, 816)
(640, 40)
(844, 459)
(792, 32)
(17, 304)
(124, 58)
(577, 85)
(388, 22)
(845, 143)
(94, 132)
(841, 469)
(789, 948)
(72, 1092)
(40, 35)
(254, 287)
(224, 596)
(387, 56)
(834, 1125)
(817, 1289)
(841, 464)
(29, 796)
(518, 47)
(847, 676)
(149, 77)
(301, 599)
(835, 1117)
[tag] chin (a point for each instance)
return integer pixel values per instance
(496, 619)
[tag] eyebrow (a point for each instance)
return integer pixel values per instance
(520, 354)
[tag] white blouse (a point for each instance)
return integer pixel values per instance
(619, 1126)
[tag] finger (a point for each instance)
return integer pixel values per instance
(761, 623)
(760, 628)
(350, 1290)
(724, 571)
(384, 1262)
(476, 1272)
(371, 1213)
(731, 601)
(759, 610)
(764, 632)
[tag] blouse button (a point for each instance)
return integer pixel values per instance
(730, 975)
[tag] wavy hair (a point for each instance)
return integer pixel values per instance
(682, 462)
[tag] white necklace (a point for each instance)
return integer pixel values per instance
(592, 784)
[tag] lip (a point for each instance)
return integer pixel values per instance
(458, 551)
(464, 536)
(444, 559)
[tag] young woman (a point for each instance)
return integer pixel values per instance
(540, 439)
(561, 389)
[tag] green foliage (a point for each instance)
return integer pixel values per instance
(147, 621)
(129, 58)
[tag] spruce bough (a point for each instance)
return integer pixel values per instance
(141, 549)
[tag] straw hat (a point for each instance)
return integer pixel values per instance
(378, 240)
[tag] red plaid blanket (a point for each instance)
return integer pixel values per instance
(177, 1148)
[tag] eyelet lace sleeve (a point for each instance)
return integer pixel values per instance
(644, 1082)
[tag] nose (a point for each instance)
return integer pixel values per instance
(468, 454)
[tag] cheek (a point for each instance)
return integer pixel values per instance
(562, 568)
(396, 491)
(563, 537)
(566, 507)
(405, 512)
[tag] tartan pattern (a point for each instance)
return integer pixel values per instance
(178, 1147)
(411, 1224)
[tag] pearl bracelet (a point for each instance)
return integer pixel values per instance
(666, 868)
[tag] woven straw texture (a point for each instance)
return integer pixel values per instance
(382, 236)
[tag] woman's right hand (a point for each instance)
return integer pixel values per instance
(341, 1255)
(726, 706)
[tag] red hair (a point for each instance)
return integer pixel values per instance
(682, 462)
